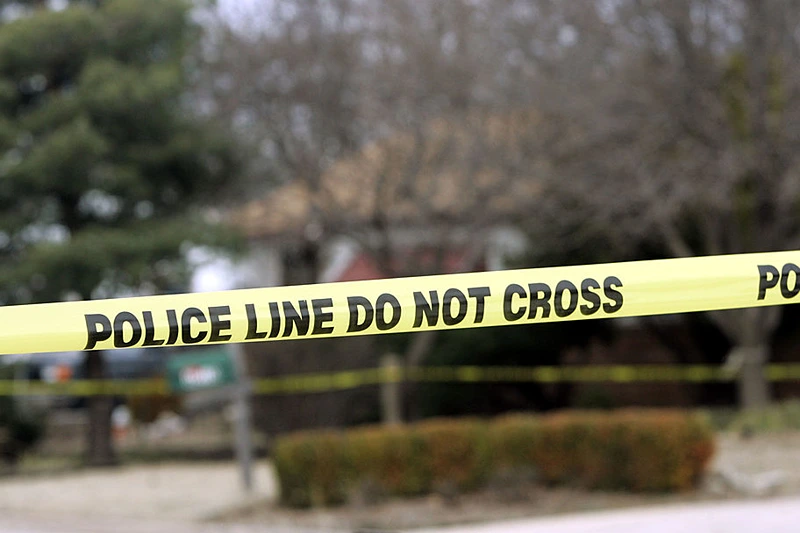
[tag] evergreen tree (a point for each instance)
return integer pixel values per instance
(103, 166)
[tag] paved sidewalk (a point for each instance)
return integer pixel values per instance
(761, 516)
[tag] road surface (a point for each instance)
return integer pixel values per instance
(759, 516)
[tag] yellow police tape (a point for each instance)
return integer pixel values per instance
(350, 379)
(79, 388)
(406, 304)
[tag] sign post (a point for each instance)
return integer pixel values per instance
(219, 368)
(242, 415)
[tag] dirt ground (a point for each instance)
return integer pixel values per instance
(168, 491)
(762, 453)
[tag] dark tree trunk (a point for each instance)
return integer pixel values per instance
(99, 444)
(301, 263)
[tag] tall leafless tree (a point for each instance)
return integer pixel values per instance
(688, 138)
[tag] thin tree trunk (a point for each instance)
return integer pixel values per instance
(391, 391)
(421, 343)
(99, 444)
(753, 386)
(750, 331)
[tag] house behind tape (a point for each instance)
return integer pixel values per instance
(443, 198)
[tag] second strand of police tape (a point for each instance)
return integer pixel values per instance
(351, 379)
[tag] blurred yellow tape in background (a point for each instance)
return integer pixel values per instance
(350, 379)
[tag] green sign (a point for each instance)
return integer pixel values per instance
(200, 370)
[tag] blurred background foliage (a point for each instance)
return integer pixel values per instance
(134, 133)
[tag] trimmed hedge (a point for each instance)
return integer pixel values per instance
(632, 450)
(391, 458)
(636, 450)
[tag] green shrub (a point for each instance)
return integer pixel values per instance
(393, 458)
(514, 441)
(456, 452)
(665, 450)
(313, 469)
(564, 445)
(634, 450)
